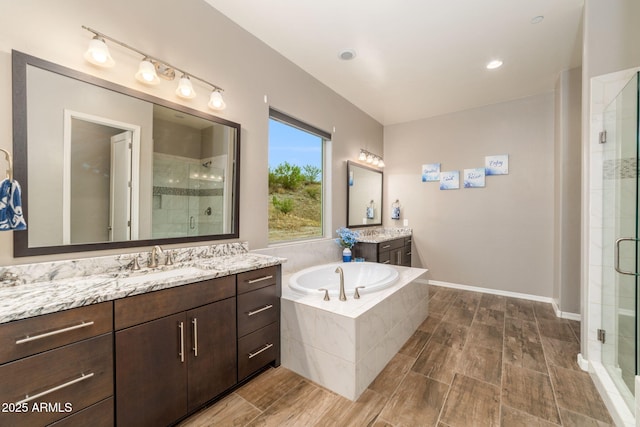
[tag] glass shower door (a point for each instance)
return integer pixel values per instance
(620, 267)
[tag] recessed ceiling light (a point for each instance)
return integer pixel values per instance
(347, 54)
(537, 19)
(494, 64)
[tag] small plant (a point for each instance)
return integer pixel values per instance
(311, 174)
(312, 192)
(287, 176)
(283, 205)
(347, 238)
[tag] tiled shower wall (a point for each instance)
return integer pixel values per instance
(178, 196)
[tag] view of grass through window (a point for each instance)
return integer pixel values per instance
(295, 183)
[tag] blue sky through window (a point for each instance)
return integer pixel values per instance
(289, 144)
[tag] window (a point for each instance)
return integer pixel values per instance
(296, 179)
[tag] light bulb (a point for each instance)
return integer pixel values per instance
(363, 156)
(216, 102)
(147, 73)
(98, 53)
(185, 88)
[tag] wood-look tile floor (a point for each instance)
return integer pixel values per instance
(477, 360)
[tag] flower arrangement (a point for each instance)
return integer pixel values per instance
(347, 238)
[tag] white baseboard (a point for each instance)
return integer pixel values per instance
(561, 314)
(583, 363)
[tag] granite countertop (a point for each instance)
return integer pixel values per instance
(21, 301)
(384, 237)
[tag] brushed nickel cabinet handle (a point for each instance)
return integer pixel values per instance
(386, 246)
(260, 310)
(195, 336)
(56, 332)
(28, 398)
(387, 262)
(181, 354)
(265, 348)
(259, 279)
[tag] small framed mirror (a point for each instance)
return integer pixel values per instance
(364, 196)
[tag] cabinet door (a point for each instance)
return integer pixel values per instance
(395, 256)
(212, 351)
(151, 372)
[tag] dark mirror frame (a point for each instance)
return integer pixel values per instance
(21, 248)
(349, 165)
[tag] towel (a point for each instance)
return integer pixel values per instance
(11, 206)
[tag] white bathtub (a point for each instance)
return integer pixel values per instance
(344, 345)
(372, 276)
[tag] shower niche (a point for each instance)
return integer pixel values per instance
(192, 176)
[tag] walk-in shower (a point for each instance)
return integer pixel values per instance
(620, 237)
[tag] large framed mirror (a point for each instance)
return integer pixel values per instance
(364, 196)
(103, 166)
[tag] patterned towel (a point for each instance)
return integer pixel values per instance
(11, 206)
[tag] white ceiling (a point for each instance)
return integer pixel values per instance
(420, 58)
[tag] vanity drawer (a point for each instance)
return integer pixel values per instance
(68, 379)
(99, 415)
(142, 308)
(26, 337)
(257, 309)
(256, 279)
(257, 349)
(390, 245)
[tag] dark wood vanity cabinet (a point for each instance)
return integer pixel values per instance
(179, 348)
(394, 252)
(258, 320)
(179, 353)
(57, 368)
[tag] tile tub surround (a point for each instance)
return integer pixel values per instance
(55, 286)
(343, 345)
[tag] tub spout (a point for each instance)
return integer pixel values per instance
(343, 296)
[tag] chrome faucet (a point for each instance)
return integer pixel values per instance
(153, 259)
(343, 296)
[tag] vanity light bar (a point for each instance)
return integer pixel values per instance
(166, 71)
(374, 159)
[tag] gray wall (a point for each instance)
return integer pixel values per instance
(566, 277)
(198, 38)
(497, 237)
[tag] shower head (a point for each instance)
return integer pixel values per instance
(207, 164)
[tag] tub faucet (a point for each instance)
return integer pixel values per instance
(343, 296)
(153, 259)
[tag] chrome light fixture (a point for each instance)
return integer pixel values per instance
(185, 88)
(151, 69)
(370, 158)
(98, 53)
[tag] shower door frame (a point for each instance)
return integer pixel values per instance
(621, 233)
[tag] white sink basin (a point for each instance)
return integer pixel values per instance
(161, 276)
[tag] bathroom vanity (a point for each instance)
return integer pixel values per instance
(384, 248)
(152, 353)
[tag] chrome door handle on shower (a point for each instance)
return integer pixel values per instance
(616, 256)
(192, 222)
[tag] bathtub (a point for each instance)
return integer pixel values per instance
(373, 276)
(344, 345)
